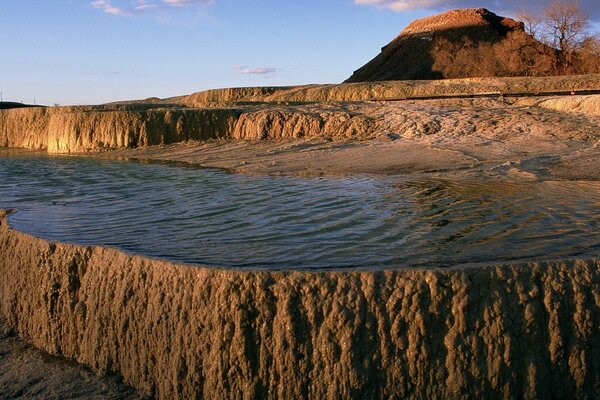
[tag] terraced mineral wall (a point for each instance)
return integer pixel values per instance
(173, 331)
(81, 129)
(134, 124)
(84, 129)
(25, 127)
(366, 91)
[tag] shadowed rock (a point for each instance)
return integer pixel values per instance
(457, 44)
(7, 105)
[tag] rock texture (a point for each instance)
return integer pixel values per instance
(173, 331)
(474, 138)
(68, 130)
(587, 105)
(332, 112)
(389, 90)
(80, 129)
(232, 95)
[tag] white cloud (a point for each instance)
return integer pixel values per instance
(504, 6)
(245, 70)
(401, 5)
(143, 5)
(183, 3)
(130, 7)
(107, 7)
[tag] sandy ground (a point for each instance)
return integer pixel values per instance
(476, 138)
(29, 373)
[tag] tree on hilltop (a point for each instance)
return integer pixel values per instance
(564, 27)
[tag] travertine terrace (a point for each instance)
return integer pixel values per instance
(519, 330)
(505, 331)
(175, 331)
(331, 112)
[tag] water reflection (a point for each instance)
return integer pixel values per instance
(209, 216)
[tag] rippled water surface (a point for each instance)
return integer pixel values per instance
(209, 216)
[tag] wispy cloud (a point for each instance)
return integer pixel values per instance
(183, 3)
(143, 5)
(508, 6)
(108, 8)
(401, 5)
(245, 70)
(131, 7)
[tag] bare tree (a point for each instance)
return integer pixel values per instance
(531, 21)
(565, 29)
(463, 58)
(556, 43)
(523, 56)
(589, 56)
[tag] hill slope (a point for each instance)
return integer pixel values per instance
(458, 44)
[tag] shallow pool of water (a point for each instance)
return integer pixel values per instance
(205, 216)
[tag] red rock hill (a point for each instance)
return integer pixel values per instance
(457, 44)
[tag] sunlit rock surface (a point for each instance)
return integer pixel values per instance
(587, 105)
(175, 331)
(331, 112)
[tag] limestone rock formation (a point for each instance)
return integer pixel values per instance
(589, 105)
(337, 112)
(81, 129)
(73, 129)
(387, 90)
(174, 331)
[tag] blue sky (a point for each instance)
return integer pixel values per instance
(94, 51)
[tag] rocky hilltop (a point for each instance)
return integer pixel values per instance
(456, 44)
(487, 21)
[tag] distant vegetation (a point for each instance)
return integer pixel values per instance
(5, 105)
(557, 43)
(565, 29)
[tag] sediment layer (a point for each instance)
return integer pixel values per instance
(66, 130)
(91, 129)
(387, 90)
(330, 112)
(587, 105)
(81, 129)
(177, 331)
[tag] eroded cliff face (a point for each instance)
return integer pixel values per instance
(175, 331)
(25, 127)
(368, 91)
(230, 95)
(76, 129)
(337, 112)
(281, 123)
(65, 130)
